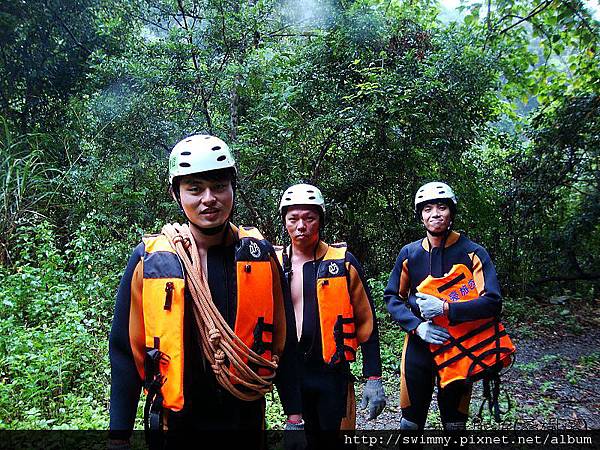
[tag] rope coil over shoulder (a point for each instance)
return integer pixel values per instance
(220, 345)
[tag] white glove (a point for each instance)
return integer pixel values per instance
(431, 333)
(429, 305)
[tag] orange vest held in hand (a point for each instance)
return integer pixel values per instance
(475, 347)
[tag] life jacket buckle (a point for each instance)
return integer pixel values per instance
(154, 379)
(248, 268)
(258, 346)
(325, 282)
(169, 288)
(338, 337)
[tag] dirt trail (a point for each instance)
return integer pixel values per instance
(554, 383)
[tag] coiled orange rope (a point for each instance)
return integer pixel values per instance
(218, 341)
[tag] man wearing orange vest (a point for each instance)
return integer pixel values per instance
(334, 314)
(442, 286)
(201, 320)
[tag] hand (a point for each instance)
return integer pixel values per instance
(374, 397)
(432, 334)
(429, 305)
(118, 444)
(294, 437)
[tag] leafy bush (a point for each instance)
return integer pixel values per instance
(57, 308)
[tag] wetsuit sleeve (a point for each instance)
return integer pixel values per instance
(365, 319)
(397, 292)
(126, 383)
(284, 344)
(489, 302)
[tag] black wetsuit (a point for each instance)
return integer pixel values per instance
(207, 405)
(413, 265)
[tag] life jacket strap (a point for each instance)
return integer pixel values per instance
(169, 288)
(453, 341)
(153, 407)
(492, 383)
(451, 283)
(339, 335)
(477, 360)
(260, 346)
(491, 396)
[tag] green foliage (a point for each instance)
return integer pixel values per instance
(391, 336)
(409, 100)
(25, 186)
(274, 415)
(45, 51)
(548, 50)
(554, 193)
(56, 310)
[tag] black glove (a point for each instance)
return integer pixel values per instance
(373, 396)
(118, 444)
(294, 437)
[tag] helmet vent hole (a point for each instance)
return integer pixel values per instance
(217, 147)
(206, 137)
(442, 192)
(311, 192)
(188, 140)
(289, 192)
(186, 153)
(222, 158)
(184, 164)
(312, 197)
(288, 199)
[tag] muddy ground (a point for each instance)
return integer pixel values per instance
(553, 384)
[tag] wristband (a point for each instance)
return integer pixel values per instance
(296, 422)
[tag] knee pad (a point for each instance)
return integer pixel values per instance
(408, 425)
(455, 426)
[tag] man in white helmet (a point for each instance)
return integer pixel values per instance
(334, 314)
(455, 269)
(201, 321)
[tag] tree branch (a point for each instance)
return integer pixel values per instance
(151, 22)
(249, 206)
(329, 141)
(564, 278)
(68, 30)
(538, 9)
(292, 35)
(584, 20)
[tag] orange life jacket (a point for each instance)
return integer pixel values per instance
(163, 310)
(336, 316)
(474, 346)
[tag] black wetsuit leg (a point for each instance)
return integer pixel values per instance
(324, 394)
(417, 380)
(454, 401)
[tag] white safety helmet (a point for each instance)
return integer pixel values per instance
(199, 153)
(302, 194)
(434, 191)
